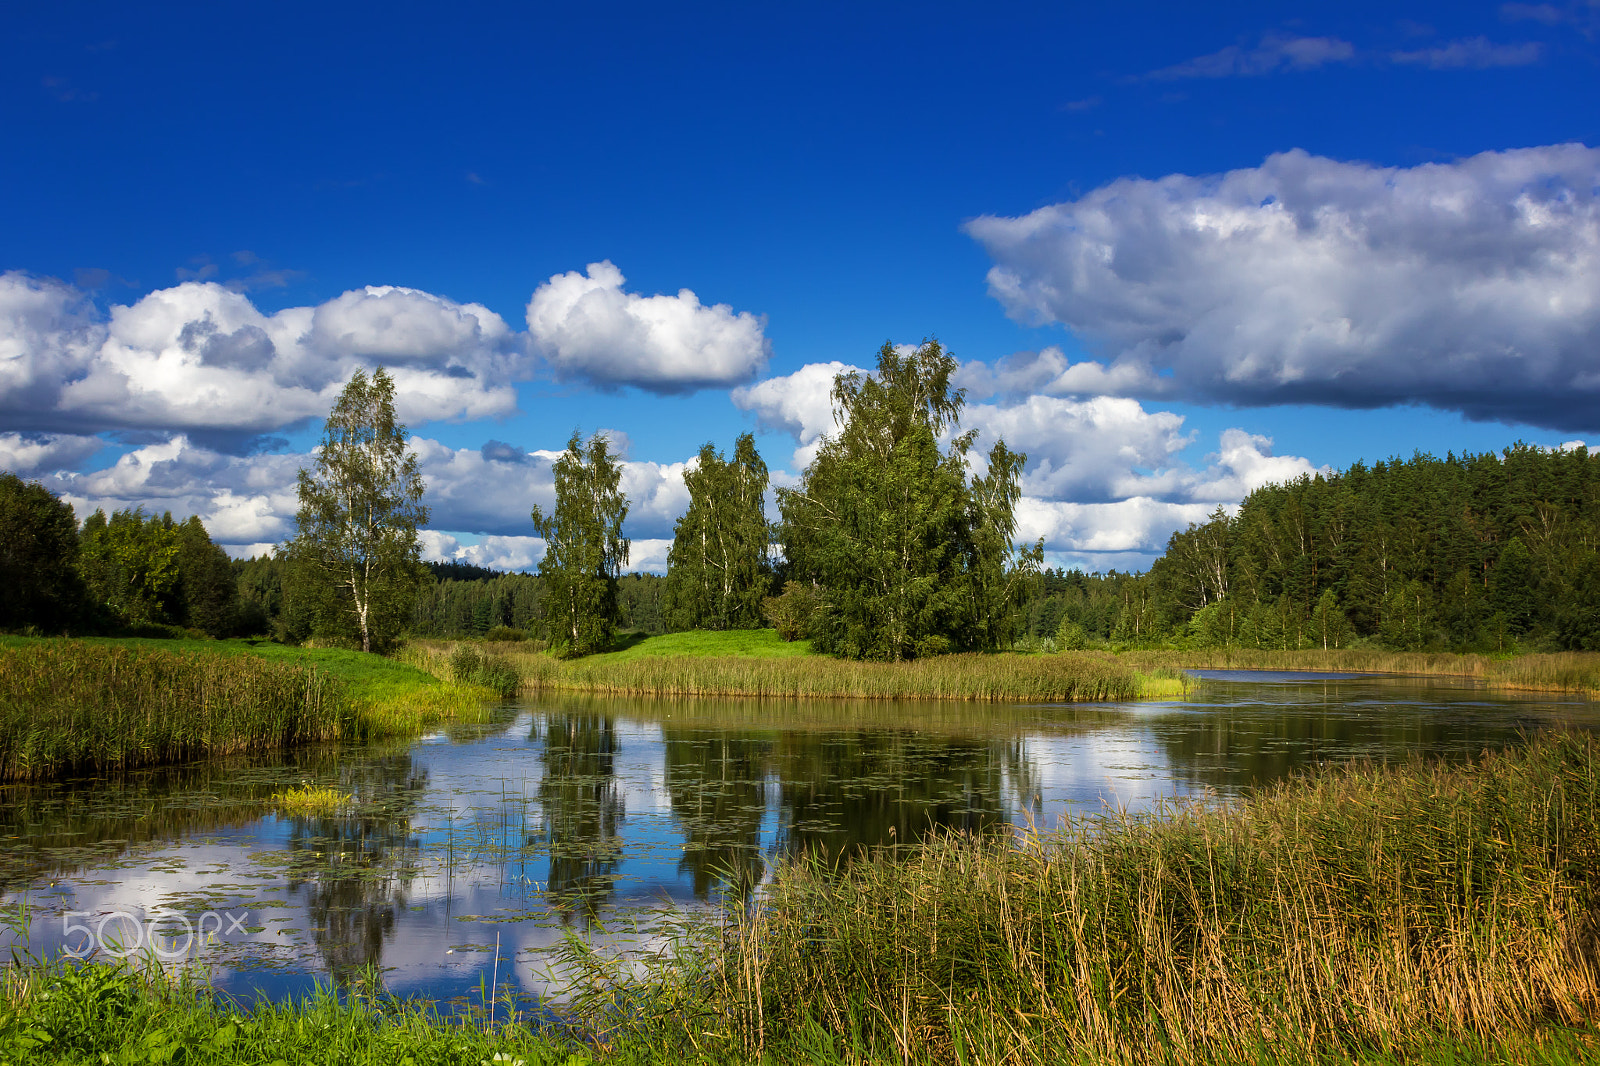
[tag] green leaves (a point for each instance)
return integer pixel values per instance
(913, 559)
(717, 570)
(584, 547)
(357, 556)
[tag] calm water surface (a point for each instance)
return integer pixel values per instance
(605, 815)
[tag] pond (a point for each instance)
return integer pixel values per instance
(470, 854)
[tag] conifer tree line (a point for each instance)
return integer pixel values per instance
(1477, 552)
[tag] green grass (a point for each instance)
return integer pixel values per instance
(746, 643)
(115, 704)
(1393, 914)
(1532, 672)
(757, 663)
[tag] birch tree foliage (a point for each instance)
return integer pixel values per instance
(913, 560)
(717, 569)
(356, 557)
(584, 547)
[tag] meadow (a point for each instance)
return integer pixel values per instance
(1375, 914)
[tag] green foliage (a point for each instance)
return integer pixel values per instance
(505, 635)
(913, 560)
(794, 611)
(470, 666)
(130, 563)
(584, 547)
(1471, 552)
(38, 558)
(355, 562)
(717, 569)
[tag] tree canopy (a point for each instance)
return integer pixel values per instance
(717, 568)
(912, 558)
(584, 547)
(356, 555)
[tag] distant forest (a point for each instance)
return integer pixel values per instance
(1466, 553)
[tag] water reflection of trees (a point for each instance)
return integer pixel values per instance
(718, 789)
(1254, 734)
(354, 870)
(582, 809)
(845, 792)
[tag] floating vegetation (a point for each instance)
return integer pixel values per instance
(312, 799)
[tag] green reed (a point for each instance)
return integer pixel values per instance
(1574, 671)
(1004, 677)
(1369, 913)
(70, 706)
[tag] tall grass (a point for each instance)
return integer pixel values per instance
(1365, 913)
(1540, 672)
(1044, 679)
(68, 706)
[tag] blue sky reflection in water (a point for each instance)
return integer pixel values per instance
(583, 809)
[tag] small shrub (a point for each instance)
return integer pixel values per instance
(504, 635)
(465, 662)
(792, 612)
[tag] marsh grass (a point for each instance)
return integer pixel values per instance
(1364, 914)
(112, 705)
(756, 663)
(1577, 672)
(71, 706)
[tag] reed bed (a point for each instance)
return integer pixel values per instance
(1360, 914)
(1575, 671)
(1073, 677)
(71, 706)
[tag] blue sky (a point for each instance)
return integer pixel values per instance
(1157, 235)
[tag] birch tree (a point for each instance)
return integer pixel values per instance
(584, 547)
(717, 570)
(357, 555)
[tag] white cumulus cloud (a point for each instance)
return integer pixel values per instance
(588, 328)
(1468, 286)
(28, 454)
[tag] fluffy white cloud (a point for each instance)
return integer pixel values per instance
(1099, 449)
(1105, 482)
(201, 359)
(248, 503)
(589, 328)
(496, 553)
(28, 455)
(245, 502)
(1467, 286)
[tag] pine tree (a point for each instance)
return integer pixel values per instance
(584, 547)
(356, 559)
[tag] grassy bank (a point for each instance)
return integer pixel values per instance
(1375, 911)
(1413, 913)
(1577, 672)
(757, 663)
(109, 705)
